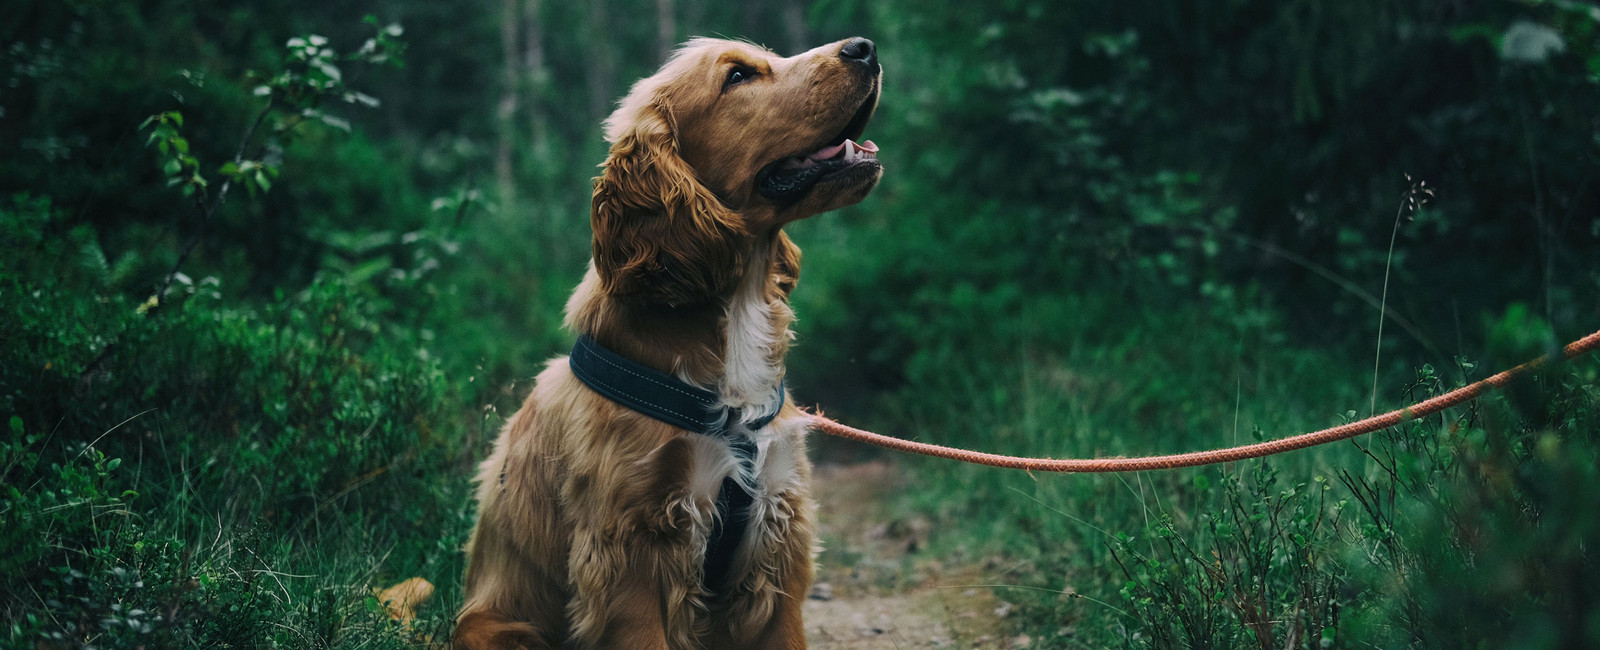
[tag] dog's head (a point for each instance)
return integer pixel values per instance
(726, 142)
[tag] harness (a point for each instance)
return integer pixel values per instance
(683, 405)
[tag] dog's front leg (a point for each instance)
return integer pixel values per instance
(622, 599)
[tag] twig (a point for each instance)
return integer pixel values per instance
(207, 211)
(1383, 303)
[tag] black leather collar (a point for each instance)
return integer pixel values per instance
(655, 393)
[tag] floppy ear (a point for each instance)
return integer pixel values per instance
(786, 263)
(659, 235)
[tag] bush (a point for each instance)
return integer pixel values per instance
(167, 469)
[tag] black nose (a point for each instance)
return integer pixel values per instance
(859, 49)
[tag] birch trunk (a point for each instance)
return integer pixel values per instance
(504, 174)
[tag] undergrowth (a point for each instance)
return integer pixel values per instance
(1467, 529)
(189, 465)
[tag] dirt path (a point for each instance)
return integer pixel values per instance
(876, 590)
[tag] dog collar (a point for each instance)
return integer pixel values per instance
(656, 394)
(683, 405)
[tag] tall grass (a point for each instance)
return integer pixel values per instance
(1349, 545)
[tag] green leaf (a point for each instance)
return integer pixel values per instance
(1529, 42)
(16, 425)
(172, 167)
(335, 122)
(115, 463)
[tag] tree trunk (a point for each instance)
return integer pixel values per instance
(507, 109)
(538, 78)
(603, 63)
(666, 27)
(794, 26)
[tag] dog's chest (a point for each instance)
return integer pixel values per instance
(756, 334)
(769, 476)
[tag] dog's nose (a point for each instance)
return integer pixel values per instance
(859, 49)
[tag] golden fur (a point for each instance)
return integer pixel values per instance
(596, 534)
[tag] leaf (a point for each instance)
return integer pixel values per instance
(361, 98)
(1528, 42)
(335, 122)
(331, 70)
(115, 463)
(172, 167)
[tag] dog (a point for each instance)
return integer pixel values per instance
(652, 492)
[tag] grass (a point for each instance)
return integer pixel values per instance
(1339, 546)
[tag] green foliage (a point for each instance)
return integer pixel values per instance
(219, 471)
(1477, 528)
(293, 425)
(1105, 229)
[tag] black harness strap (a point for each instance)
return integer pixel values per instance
(670, 400)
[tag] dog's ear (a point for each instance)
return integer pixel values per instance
(659, 235)
(786, 264)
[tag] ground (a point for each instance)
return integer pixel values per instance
(876, 586)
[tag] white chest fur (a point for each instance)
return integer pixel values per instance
(757, 333)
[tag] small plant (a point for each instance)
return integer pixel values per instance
(1256, 572)
(311, 75)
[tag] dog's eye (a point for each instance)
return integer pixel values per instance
(738, 75)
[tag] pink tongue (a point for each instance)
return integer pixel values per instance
(826, 153)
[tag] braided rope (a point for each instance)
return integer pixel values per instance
(1424, 408)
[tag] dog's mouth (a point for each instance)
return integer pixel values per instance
(788, 179)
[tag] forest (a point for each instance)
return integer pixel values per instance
(275, 273)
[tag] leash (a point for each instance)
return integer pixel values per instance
(1424, 408)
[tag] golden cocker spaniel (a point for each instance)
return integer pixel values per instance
(653, 490)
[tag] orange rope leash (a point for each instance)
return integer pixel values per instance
(1424, 408)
